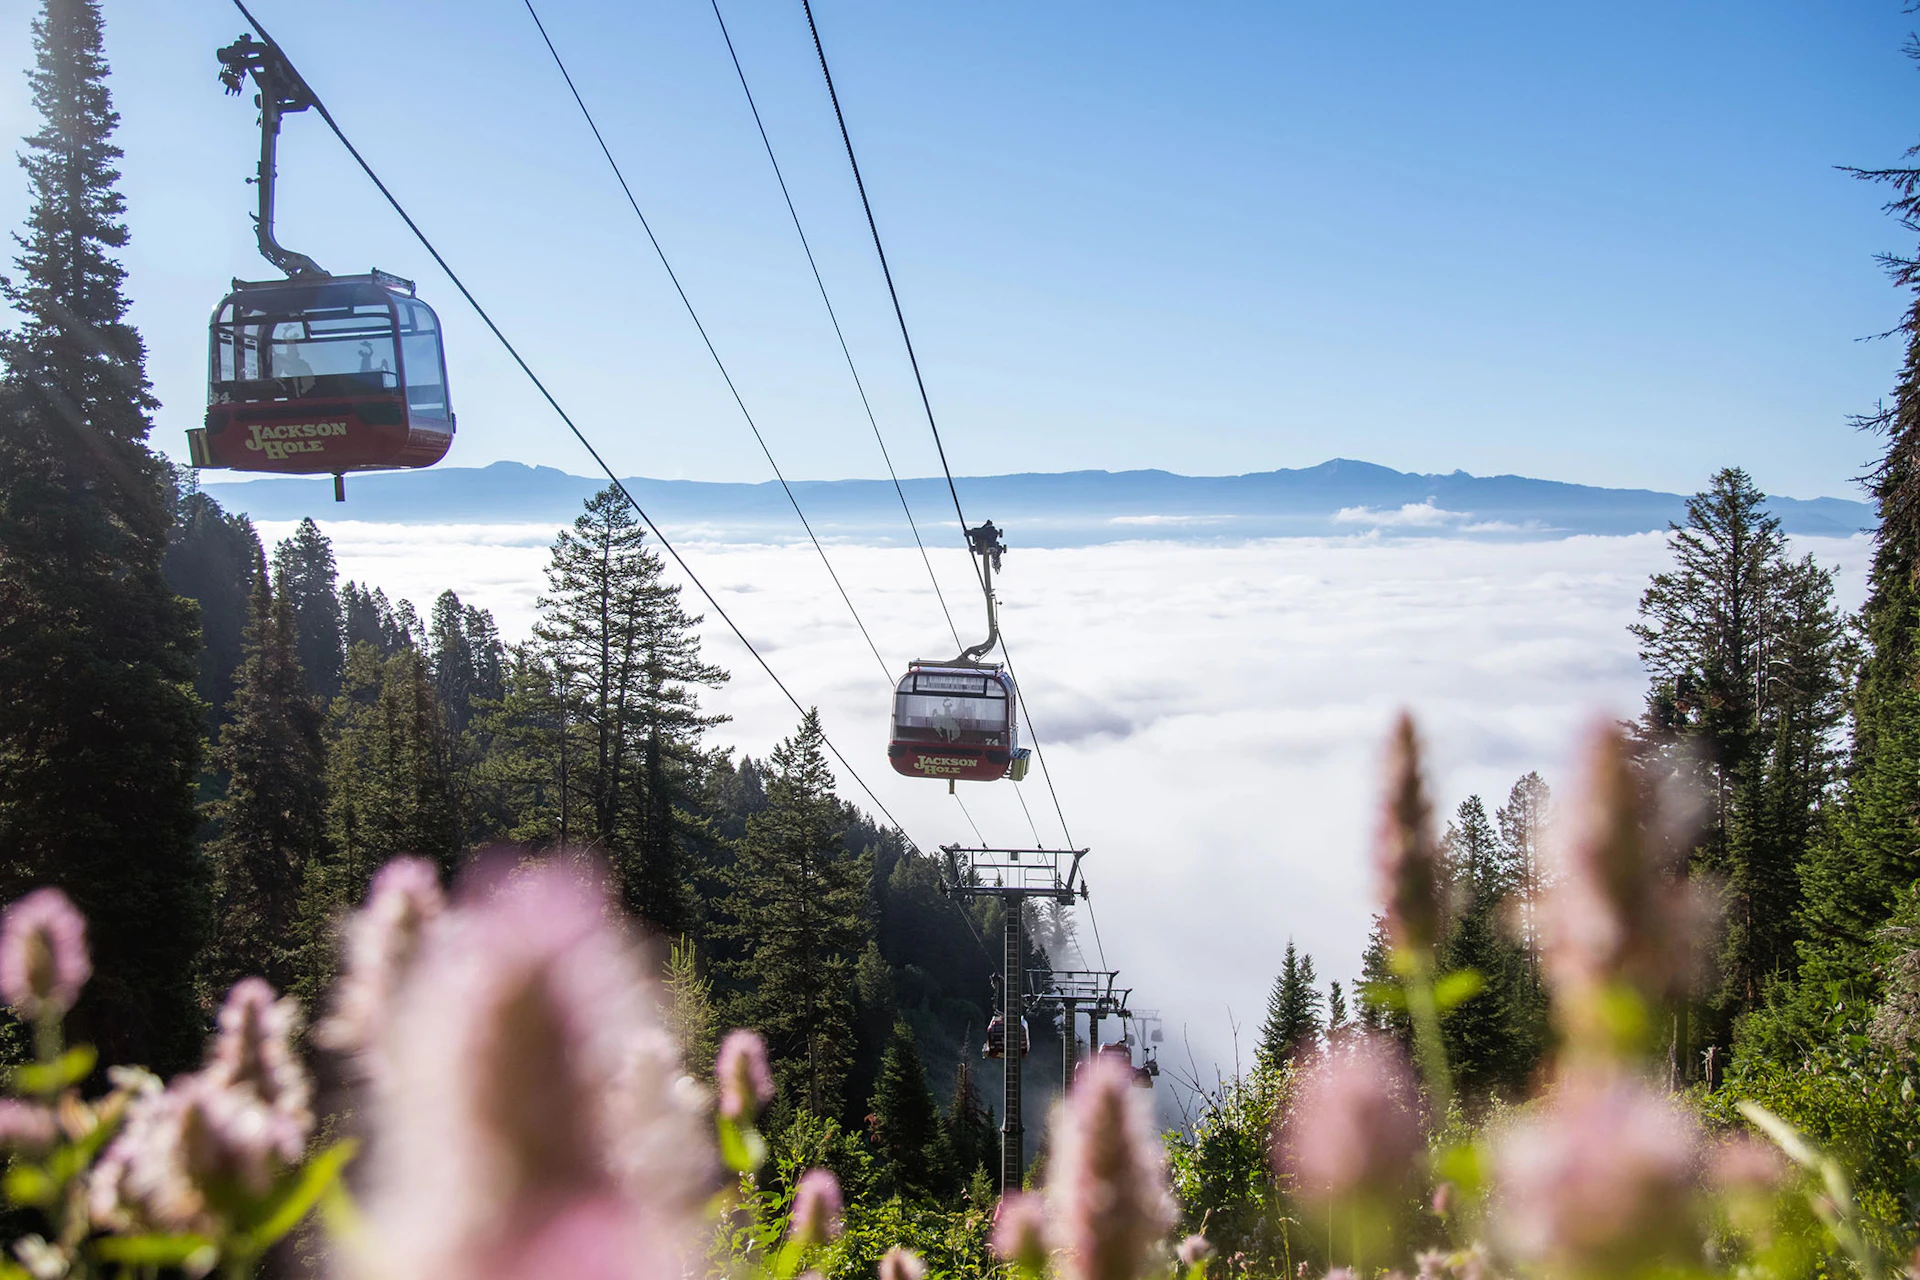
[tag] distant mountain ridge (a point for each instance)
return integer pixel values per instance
(1073, 508)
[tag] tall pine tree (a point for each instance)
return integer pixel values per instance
(1743, 647)
(1292, 1026)
(626, 658)
(211, 559)
(273, 817)
(904, 1122)
(798, 903)
(305, 577)
(100, 732)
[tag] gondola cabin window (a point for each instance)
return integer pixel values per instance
(953, 708)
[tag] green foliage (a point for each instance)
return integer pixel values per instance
(1222, 1174)
(1854, 1099)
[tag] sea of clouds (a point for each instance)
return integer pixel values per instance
(1212, 715)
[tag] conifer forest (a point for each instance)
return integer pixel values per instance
(353, 936)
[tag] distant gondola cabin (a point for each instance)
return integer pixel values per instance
(326, 374)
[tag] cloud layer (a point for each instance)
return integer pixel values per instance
(1211, 715)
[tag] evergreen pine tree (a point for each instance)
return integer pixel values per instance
(522, 785)
(211, 559)
(305, 577)
(874, 1016)
(904, 1121)
(100, 732)
(1292, 1025)
(690, 1013)
(627, 660)
(1382, 1006)
(273, 816)
(367, 618)
(967, 1129)
(389, 793)
(456, 676)
(798, 902)
(1523, 823)
(1743, 647)
(1336, 1008)
(1860, 861)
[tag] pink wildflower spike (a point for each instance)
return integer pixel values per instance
(528, 1084)
(380, 942)
(1020, 1230)
(27, 1126)
(43, 955)
(1353, 1129)
(902, 1264)
(1602, 1180)
(1194, 1250)
(180, 1147)
(254, 1052)
(1616, 915)
(816, 1208)
(741, 1073)
(1406, 855)
(1107, 1185)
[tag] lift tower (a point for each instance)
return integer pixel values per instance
(1075, 991)
(1013, 876)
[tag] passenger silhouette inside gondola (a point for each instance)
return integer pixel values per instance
(288, 363)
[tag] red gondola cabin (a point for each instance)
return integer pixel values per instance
(325, 374)
(956, 722)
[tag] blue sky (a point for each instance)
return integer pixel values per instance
(1598, 243)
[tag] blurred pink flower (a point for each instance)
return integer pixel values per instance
(816, 1208)
(1746, 1165)
(1194, 1250)
(529, 1091)
(27, 1126)
(1106, 1181)
(253, 1051)
(901, 1264)
(1602, 1178)
(1616, 914)
(1020, 1230)
(1353, 1127)
(595, 1239)
(184, 1150)
(380, 942)
(741, 1073)
(1406, 855)
(43, 955)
